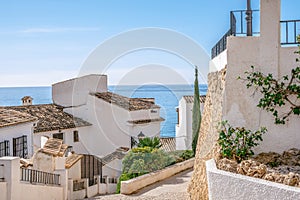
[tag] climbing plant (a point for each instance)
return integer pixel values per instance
(277, 92)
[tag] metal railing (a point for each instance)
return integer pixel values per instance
(78, 185)
(112, 180)
(238, 22)
(92, 181)
(237, 28)
(35, 176)
(290, 29)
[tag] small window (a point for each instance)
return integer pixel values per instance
(75, 136)
(58, 136)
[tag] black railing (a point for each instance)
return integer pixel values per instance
(102, 180)
(290, 29)
(4, 148)
(238, 22)
(78, 185)
(237, 28)
(113, 180)
(35, 176)
(221, 44)
(92, 181)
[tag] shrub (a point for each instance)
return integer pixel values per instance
(153, 143)
(237, 143)
(143, 160)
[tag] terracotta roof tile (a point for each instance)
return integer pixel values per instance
(53, 147)
(50, 117)
(9, 117)
(190, 98)
(130, 104)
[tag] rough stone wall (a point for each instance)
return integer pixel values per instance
(207, 147)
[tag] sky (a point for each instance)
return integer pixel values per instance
(43, 42)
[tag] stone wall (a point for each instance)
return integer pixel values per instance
(207, 147)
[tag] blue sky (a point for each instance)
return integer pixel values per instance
(42, 42)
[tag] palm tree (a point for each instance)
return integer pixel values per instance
(154, 143)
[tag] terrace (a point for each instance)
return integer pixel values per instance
(246, 23)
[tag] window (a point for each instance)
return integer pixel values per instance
(20, 147)
(58, 136)
(4, 148)
(75, 136)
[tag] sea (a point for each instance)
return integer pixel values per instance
(166, 96)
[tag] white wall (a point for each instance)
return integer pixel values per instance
(10, 132)
(267, 55)
(78, 147)
(74, 92)
(18, 190)
(184, 130)
(112, 169)
(75, 171)
(110, 129)
(3, 190)
(230, 186)
(218, 62)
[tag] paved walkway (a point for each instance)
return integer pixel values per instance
(173, 188)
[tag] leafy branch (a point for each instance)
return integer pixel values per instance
(277, 92)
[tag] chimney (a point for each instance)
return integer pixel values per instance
(27, 100)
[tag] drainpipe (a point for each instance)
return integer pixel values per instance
(249, 18)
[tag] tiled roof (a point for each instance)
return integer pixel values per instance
(72, 159)
(117, 154)
(10, 117)
(168, 144)
(145, 121)
(130, 104)
(190, 98)
(54, 146)
(50, 117)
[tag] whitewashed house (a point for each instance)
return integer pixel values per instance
(52, 122)
(116, 120)
(16, 130)
(90, 120)
(184, 122)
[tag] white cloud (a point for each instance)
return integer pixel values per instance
(60, 30)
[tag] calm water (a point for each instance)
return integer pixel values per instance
(166, 97)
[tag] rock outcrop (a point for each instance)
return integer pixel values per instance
(207, 147)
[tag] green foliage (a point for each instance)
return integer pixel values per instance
(153, 143)
(277, 92)
(187, 154)
(196, 115)
(181, 155)
(124, 177)
(237, 143)
(141, 161)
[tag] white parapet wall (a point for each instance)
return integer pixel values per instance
(230, 186)
(132, 185)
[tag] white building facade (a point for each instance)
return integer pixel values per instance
(268, 55)
(184, 124)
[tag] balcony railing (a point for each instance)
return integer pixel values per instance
(290, 29)
(35, 176)
(237, 28)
